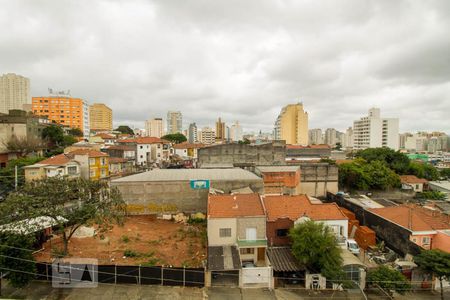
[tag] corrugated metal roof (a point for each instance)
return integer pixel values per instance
(221, 258)
(282, 260)
(190, 174)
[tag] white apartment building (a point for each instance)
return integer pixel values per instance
(174, 122)
(347, 138)
(207, 136)
(236, 132)
(315, 136)
(154, 127)
(192, 133)
(373, 131)
(14, 92)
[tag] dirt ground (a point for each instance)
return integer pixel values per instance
(142, 240)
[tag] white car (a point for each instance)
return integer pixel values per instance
(352, 246)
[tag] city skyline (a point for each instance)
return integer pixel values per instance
(287, 53)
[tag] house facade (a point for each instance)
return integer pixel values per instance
(59, 165)
(94, 164)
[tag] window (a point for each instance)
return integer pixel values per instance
(92, 173)
(426, 240)
(92, 161)
(225, 232)
(72, 170)
(247, 250)
(250, 234)
(282, 232)
(103, 172)
(141, 147)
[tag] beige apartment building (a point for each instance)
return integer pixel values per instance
(100, 117)
(154, 127)
(220, 130)
(292, 125)
(14, 92)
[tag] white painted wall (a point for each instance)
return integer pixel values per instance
(214, 226)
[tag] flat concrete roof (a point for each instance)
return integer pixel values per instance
(190, 174)
(269, 169)
(440, 184)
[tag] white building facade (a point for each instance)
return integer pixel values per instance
(154, 127)
(14, 92)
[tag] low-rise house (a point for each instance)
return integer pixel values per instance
(283, 212)
(58, 165)
(121, 151)
(188, 150)
(84, 146)
(94, 164)
(149, 149)
(413, 183)
(120, 166)
(239, 222)
(429, 229)
(281, 180)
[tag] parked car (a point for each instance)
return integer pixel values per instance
(248, 264)
(352, 246)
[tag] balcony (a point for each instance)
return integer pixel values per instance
(252, 243)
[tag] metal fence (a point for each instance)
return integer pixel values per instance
(155, 275)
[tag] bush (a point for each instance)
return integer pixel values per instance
(125, 238)
(130, 253)
(388, 279)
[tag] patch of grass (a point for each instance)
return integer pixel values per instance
(151, 262)
(155, 242)
(125, 239)
(196, 221)
(131, 253)
(185, 264)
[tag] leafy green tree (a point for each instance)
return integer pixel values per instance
(16, 258)
(431, 195)
(395, 160)
(176, 138)
(314, 245)
(125, 129)
(69, 140)
(445, 173)
(423, 170)
(71, 203)
(436, 262)
(338, 146)
(54, 134)
(75, 132)
(246, 141)
(388, 279)
(25, 145)
(7, 174)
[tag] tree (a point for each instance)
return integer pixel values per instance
(25, 145)
(125, 129)
(388, 279)
(445, 173)
(436, 262)
(395, 160)
(69, 140)
(75, 132)
(70, 203)
(176, 138)
(16, 258)
(54, 135)
(7, 174)
(314, 245)
(423, 170)
(338, 146)
(246, 141)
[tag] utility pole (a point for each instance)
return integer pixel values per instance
(15, 177)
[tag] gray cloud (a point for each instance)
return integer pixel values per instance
(241, 60)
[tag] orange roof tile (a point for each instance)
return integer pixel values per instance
(106, 136)
(116, 160)
(144, 140)
(234, 206)
(414, 218)
(56, 160)
(89, 152)
(294, 207)
(321, 146)
(412, 179)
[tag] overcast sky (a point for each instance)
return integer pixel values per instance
(241, 60)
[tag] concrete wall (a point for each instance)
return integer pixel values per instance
(318, 178)
(251, 222)
(244, 155)
(174, 196)
(272, 238)
(214, 226)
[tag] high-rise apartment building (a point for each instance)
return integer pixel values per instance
(154, 127)
(373, 131)
(14, 92)
(315, 136)
(220, 130)
(63, 109)
(236, 132)
(348, 138)
(292, 125)
(192, 133)
(100, 117)
(174, 122)
(331, 137)
(207, 136)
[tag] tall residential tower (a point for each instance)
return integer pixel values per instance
(174, 122)
(101, 117)
(14, 92)
(292, 125)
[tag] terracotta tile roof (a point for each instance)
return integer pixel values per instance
(144, 140)
(186, 145)
(414, 218)
(89, 152)
(412, 179)
(233, 206)
(116, 160)
(106, 136)
(121, 147)
(294, 207)
(321, 146)
(56, 160)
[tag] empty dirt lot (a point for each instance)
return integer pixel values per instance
(142, 240)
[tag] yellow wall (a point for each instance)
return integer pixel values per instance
(294, 125)
(100, 117)
(96, 167)
(34, 174)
